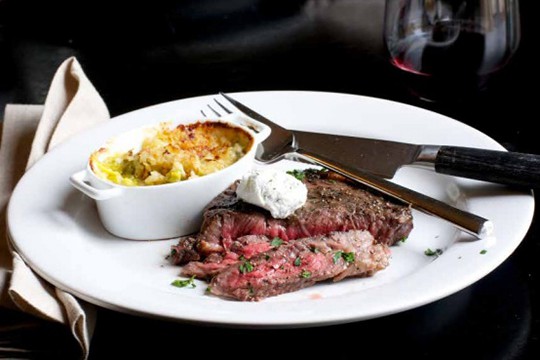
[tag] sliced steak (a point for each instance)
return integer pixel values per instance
(244, 247)
(185, 251)
(333, 204)
(300, 264)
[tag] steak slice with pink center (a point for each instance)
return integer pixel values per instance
(301, 263)
(244, 247)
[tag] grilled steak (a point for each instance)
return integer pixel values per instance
(333, 204)
(301, 263)
(244, 247)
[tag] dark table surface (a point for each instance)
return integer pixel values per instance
(169, 50)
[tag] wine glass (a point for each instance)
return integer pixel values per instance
(449, 49)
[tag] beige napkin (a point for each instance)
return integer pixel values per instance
(29, 131)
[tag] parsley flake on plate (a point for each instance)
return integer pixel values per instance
(436, 252)
(184, 283)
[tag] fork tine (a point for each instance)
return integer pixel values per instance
(214, 111)
(223, 107)
(251, 126)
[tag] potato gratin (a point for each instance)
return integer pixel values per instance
(169, 155)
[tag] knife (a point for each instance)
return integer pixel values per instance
(384, 158)
(281, 143)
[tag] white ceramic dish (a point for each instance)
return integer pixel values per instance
(57, 231)
(161, 211)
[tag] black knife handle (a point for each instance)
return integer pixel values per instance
(509, 168)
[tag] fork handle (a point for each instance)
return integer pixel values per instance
(468, 222)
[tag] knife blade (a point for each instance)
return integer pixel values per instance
(384, 158)
(380, 157)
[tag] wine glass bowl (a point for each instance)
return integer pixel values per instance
(448, 49)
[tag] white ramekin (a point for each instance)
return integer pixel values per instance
(163, 211)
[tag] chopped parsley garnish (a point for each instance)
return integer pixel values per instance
(299, 174)
(267, 257)
(276, 242)
(171, 254)
(251, 290)
(305, 274)
(297, 261)
(245, 266)
(315, 250)
(208, 290)
(348, 257)
(483, 251)
(183, 283)
(436, 252)
(337, 256)
(403, 239)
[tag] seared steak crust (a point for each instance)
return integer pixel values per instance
(333, 204)
(301, 263)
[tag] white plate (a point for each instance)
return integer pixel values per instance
(57, 232)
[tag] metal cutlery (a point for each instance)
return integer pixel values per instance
(384, 158)
(284, 144)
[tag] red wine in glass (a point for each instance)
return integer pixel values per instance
(449, 49)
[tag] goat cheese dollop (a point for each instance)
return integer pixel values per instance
(276, 191)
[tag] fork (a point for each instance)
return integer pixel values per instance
(281, 145)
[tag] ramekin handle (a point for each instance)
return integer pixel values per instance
(260, 131)
(78, 181)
